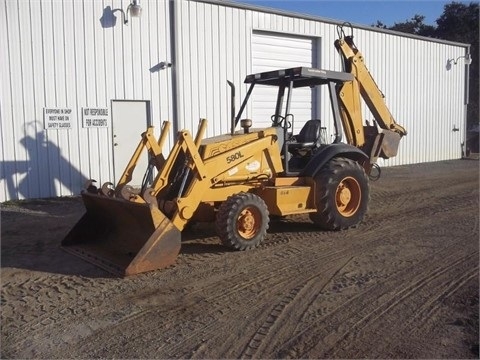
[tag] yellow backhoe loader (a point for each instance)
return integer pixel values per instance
(238, 180)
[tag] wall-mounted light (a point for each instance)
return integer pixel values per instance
(135, 10)
(468, 60)
(160, 66)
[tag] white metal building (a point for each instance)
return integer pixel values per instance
(78, 86)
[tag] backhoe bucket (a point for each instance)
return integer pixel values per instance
(121, 237)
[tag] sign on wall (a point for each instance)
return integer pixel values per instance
(57, 118)
(95, 117)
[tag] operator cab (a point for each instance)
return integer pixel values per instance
(297, 149)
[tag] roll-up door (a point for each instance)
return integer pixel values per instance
(272, 51)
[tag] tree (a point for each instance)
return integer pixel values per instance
(380, 25)
(414, 26)
(459, 22)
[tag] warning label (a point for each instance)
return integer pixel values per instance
(57, 118)
(95, 117)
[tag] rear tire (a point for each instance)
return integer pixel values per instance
(242, 221)
(341, 195)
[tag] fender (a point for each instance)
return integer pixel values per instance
(328, 152)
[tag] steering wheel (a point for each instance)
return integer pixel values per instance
(279, 120)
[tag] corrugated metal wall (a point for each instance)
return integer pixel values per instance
(73, 54)
(69, 54)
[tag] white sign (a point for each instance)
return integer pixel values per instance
(57, 118)
(95, 117)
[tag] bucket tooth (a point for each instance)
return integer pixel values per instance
(107, 189)
(90, 187)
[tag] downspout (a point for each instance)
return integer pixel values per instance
(173, 13)
(466, 100)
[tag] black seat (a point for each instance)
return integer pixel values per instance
(308, 138)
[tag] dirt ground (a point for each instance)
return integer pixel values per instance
(404, 284)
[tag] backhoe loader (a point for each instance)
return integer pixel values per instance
(239, 179)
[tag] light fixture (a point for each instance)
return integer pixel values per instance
(135, 10)
(468, 59)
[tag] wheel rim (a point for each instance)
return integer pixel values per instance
(348, 196)
(249, 222)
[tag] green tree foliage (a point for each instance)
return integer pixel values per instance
(415, 26)
(459, 22)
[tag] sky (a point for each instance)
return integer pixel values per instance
(365, 12)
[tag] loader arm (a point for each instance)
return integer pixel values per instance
(364, 85)
(130, 231)
(201, 175)
(154, 149)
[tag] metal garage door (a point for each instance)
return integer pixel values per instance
(271, 51)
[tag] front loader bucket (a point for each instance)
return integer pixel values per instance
(120, 236)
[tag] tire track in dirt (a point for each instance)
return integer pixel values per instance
(353, 315)
(437, 206)
(209, 309)
(64, 290)
(396, 300)
(420, 320)
(191, 258)
(423, 320)
(346, 251)
(53, 303)
(59, 301)
(349, 249)
(45, 318)
(280, 312)
(409, 194)
(274, 314)
(433, 304)
(46, 315)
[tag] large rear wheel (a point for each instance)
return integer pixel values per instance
(242, 221)
(342, 195)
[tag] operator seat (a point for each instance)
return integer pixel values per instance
(308, 139)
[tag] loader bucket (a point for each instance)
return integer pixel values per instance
(120, 236)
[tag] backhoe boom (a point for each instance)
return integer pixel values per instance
(363, 85)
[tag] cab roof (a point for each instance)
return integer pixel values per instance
(301, 76)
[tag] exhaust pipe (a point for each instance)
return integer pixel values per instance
(232, 106)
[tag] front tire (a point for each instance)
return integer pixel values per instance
(341, 195)
(242, 221)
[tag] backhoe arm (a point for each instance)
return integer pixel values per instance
(373, 97)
